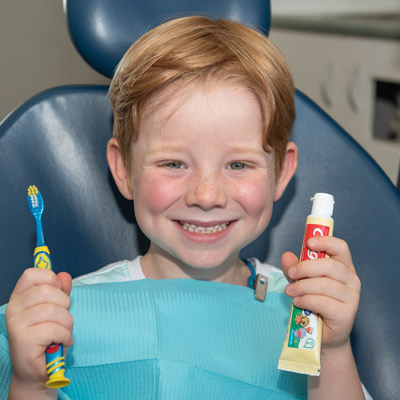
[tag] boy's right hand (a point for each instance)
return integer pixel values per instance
(37, 316)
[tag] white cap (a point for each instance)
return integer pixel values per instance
(322, 205)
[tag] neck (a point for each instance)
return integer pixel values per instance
(157, 264)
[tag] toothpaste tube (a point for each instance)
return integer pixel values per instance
(302, 346)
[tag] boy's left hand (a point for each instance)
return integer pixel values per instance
(332, 287)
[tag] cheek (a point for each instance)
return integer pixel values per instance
(255, 196)
(155, 194)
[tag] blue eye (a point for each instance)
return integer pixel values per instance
(174, 164)
(237, 165)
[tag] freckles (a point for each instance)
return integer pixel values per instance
(207, 184)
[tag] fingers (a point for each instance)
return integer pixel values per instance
(288, 260)
(338, 266)
(46, 313)
(58, 334)
(332, 277)
(35, 295)
(326, 306)
(329, 280)
(36, 276)
(334, 247)
(328, 268)
(37, 315)
(40, 298)
(42, 330)
(322, 287)
(328, 286)
(66, 281)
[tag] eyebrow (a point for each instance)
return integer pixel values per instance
(237, 149)
(234, 150)
(164, 149)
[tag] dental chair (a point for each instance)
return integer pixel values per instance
(57, 141)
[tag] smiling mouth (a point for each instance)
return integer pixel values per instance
(204, 230)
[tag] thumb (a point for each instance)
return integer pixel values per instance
(288, 259)
(66, 281)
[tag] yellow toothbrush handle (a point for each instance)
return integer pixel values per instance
(41, 258)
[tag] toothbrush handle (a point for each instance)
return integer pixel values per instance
(39, 232)
(55, 367)
(55, 352)
(41, 258)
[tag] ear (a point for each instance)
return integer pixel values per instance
(118, 168)
(288, 169)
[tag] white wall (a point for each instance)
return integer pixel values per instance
(36, 52)
(333, 6)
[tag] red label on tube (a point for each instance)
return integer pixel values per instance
(313, 230)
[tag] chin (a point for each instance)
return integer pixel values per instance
(207, 262)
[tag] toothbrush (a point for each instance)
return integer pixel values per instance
(41, 259)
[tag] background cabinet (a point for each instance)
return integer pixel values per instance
(345, 75)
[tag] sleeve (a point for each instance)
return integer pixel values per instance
(366, 394)
(62, 396)
(5, 361)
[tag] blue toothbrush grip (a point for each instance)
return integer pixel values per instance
(55, 352)
(55, 367)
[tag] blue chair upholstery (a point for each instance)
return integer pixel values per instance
(102, 31)
(57, 141)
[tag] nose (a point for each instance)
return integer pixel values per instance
(206, 190)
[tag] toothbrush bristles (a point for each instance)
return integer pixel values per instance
(32, 190)
(32, 193)
(34, 199)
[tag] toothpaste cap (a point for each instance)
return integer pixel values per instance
(322, 205)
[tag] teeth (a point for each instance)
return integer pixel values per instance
(204, 230)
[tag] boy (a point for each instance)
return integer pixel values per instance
(203, 112)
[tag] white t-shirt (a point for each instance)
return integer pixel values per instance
(131, 270)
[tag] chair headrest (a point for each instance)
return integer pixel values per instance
(102, 30)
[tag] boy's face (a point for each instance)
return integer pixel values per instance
(203, 186)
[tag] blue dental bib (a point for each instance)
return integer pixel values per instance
(178, 339)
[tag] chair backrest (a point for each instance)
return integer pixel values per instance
(57, 141)
(102, 31)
